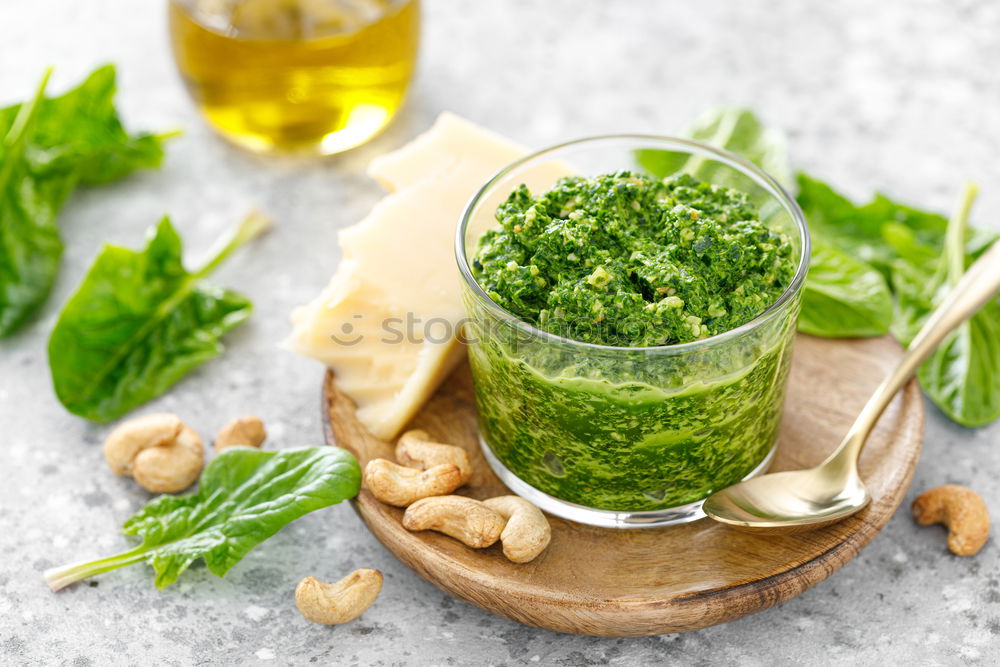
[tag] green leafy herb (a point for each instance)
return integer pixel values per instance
(50, 146)
(30, 247)
(878, 235)
(139, 321)
(734, 129)
(881, 230)
(843, 297)
(836, 220)
(962, 377)
(244, 497)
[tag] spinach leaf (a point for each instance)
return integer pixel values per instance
(80, 133)
(244, 497)
(843, 297)
(51, 146)
(840, 223)
(900, 242)
(881, 230)
(734, 129)
(916, 286)
(962, 377)
(30, 247)
(139, 321)
(906, 246)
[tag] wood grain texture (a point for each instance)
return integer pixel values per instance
(606, 582)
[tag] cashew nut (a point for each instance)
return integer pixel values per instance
(396, 485)
(416, 450)
(246, 431)
(129, 438)
(961, 510)
(468, 521)
(340, 602)
(171, 467)
(159, 451)
(527, 532)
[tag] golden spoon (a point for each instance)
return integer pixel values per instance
(801, 500)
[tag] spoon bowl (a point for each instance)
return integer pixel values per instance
(801, 500)
(787, 502)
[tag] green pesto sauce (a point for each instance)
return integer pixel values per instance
(629, 446)
(627, 260)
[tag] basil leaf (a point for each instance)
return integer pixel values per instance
(244, 497)
(962, 376)
(734, 129)
(62, 141)
(843, 297)
(139, 322)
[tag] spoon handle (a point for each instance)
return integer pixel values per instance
(975, 288)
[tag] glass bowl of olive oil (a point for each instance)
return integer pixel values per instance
(299, 76)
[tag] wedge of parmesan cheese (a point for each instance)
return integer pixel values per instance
(386, 323)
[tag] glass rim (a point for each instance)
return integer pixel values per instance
(747, 168)
(183, 6)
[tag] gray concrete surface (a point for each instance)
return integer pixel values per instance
(903, 96)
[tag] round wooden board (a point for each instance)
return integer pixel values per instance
(619, 583)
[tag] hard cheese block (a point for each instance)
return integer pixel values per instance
(386, 322)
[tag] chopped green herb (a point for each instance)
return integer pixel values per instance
(627, 260)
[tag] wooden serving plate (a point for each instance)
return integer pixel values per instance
(599, 581)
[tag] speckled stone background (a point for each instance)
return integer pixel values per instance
(898, 95)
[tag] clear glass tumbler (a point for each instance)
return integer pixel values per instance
(304, 76)
(628, 436)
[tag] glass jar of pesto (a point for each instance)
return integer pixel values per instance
(631, 305)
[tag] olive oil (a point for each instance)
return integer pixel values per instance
(318, 76)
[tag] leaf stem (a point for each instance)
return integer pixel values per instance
(60, 577)
(17, 136)
(955, 235)
(252, 226)
(169, 134)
